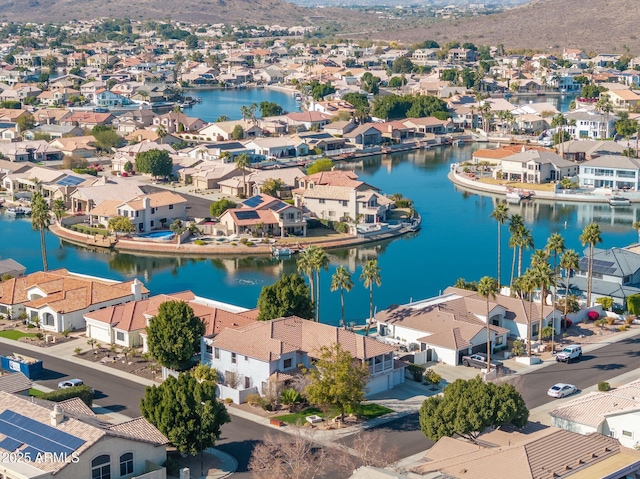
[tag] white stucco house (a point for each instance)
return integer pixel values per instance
(611, 171)
(261, 357)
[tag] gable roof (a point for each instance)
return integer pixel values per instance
(14, 382)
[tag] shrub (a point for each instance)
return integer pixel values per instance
(432, 378)
(199, 242)
(610, 321)
(629, 320)
(228, 400)
(253, 399)
(77, 351)
(173, 466)
(604, 386)
(518, 348)
(417, 371)
(249, 243)
(403, 203)
(622, 328)
(40, 336)
(566, 323)
(244, 240)
(341, 227)
(600, 322)
(85, 393)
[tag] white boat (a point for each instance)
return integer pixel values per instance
(513, 196)
(281, 251)
(619, 201)
(17, 211)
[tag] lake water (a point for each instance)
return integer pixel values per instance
(458, 239)
(216, 103)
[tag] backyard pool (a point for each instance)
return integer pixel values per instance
(157, 235)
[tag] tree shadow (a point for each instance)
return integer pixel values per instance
(241, 450)
(610, 367)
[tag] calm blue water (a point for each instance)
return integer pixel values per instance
(216, 103)
(458, 239)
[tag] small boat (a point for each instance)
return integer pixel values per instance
(619, 201)
(279, 251)
(16, 211)
(513, 196)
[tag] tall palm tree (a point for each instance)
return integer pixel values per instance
(59, 209)
(543, 277)
(500, 214)
(604, 106)
(590, 236)
(525, 241)
(370, 275)
(341, 280)
(559, 122)
(529, 284)
(304, 263)
(570, 262)
(555, 246)
(161, 131)
(319, 260)
(515, 221)
(40, 221)
(487, 288)
(242, 161)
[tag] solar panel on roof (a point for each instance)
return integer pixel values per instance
(277, 206)
(247, 215)
(9, 444)
(70, 181)
(37, 436)
(253, 201)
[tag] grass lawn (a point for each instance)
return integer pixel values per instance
(15, 335)
(367, 411)
(36, 393)
(515, 184)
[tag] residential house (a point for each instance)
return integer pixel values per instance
(429, 125)
(34, 151)
(573, 54)
(84, 446)
(462, 55)
(59, 97)
(133, 120)
(58, 299)
(143, 136)
(81, 146)
(224, 151)
(623, 99)
(278, 147)
(264, 356)
(396, 130)
(333, 107)
(52, 183)
(339, 196)
(495, 155)
(589, 124)
(611, 171)
(147, 212)
(288, 176)
(308, 120)
(324, 141)
(50, 116)
(223, 130)
(364, 136)
(87, 119)
(581, 150)
(104, 98)
(114, 188)
(54, 131)
(339, 128)
(507, 452)
(206, 176)
(612, 413)
(11, 267)
(264, 214)
(129, 152)
(537, 166)
(178, 122)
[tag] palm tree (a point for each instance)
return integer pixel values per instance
(529, 284)
(570, 261)
(500, 214)
(242, 161)
(319, 261)
(525, 241)
(543, 278)
(304, 264)
(161, 131)
(514, 223)
(604, 106)
(487, 288)
(40, 221)
(341, 280)
(59, 209)
(559, 122)
(370, 275)
(590, 236)
(555, 246)
(636, 225)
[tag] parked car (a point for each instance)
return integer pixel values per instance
(569, 353)
(69, 383)
(561, 390)
(479, 360)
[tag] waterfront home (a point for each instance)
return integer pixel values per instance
(34, 151)
(58, 299)
(333, 107)
(223, 130)
(429, 125)
(339, 196)
(581, 150)
(590, 124)
(264, 214)
(339, 128)
(206, 176)
(224, 151)
(135, 119)
(508, 452)
(612, 413)
(53, 184)
(616, 274)
(396, 130)
(178, 122)
(58, 97)
(104, 98)
(11, 267)
(278, 147)
(323, 140)
(495, 155)
(307, 120)
(87, 119)
(265, 356)
(536, 166)
(84, 445)
(114, 188)
(80, 146)
(147, 212)
(364, 136)
(611, 171)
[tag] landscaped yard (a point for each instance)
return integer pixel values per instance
(515, 184)
(36, 393)
(15, 335)
(367, 411)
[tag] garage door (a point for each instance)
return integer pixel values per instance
(101, 334)
(378, 384)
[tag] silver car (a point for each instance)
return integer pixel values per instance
(561, 390)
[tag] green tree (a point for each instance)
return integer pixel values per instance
(337, 379)
(174, 335)
(319, 261)
(467, 408)
(370, 275)
(288, 296)
(121, 224)
(272, 186)
(402, 65)
(154, 162)
(626, 128)
(40, 221)
(341, 280)
(242, 161)
(59, 208)
(604, 106)
(304, 265)
(237, 133)
(324, 164)
(222, 118)
(204, 372)
(161, 131)
(570, 262)
(186, 411)
(559, 122)
(107, 140)
(191, 42)
(590, 236)
(128, 167)
(543, 277)
(555, 246)
(269, 108)
(636, 226)
(218, 207)
(501, 215)
(357, 100)
(487, 288)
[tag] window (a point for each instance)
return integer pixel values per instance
(153, 210)
(170, 207)
(247, 382)
(152, 223)
(48, 320)
(126, 464)
(246, 358)
(216, 353)
(288, 363)
(627, 433)
(101, 467)
(321, 201)
(119, 336)
(499, 340)
(234, 359)
(345, 203)
(137, 214)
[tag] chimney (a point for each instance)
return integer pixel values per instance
(56, 416)
(136, 290)
(524, 149)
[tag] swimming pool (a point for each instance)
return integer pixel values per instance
(157, 235)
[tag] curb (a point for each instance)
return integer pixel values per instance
(228, 467)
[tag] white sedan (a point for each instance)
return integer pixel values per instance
(561, 390)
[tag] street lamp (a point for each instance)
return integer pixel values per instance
(201, 451)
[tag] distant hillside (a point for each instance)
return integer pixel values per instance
(255, 12)
(591, 25)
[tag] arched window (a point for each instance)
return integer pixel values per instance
(48, 319)
(101, 467)
(126, 464)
